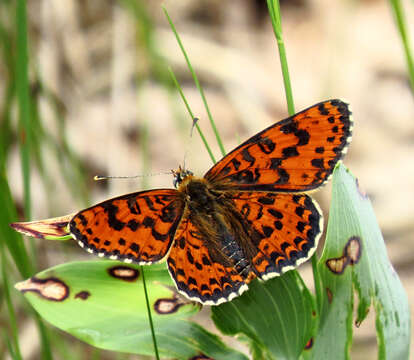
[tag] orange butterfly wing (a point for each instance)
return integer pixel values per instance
(199, 274)
(137, 227)
(287, 228)
(257, 228)
(294, 155)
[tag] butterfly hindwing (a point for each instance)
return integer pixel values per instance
(197, 272)
(287, 228)
(294, 155)
(137, 227)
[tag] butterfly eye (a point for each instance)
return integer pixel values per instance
(180, 175)
(177, 180)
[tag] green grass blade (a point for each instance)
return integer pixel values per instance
(9, 93)
(8, 236)
(9, 345)
(274, 11)
(22, 85)
(154, 338)
(398, 13)
(180, 90)
(16, 248)
(14, 346)
(275, 16)
(25, 130)
(197, 83)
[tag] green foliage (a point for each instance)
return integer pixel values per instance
(355, 250)
(278, 317)
(103, 304)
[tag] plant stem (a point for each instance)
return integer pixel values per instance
(154, 338)
(402, 28)
(192, 115)
(22, 84)
(197, 83)
(274, 11)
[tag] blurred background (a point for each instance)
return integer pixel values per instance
(103, 102)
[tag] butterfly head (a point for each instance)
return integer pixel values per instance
(179, 175)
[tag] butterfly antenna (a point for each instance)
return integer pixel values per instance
(100, 177)
(195, 120)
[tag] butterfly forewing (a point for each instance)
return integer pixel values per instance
(137, 227)
(286, 229)
(294, 155)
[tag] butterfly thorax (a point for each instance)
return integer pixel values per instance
(213, 212)
(198, 194)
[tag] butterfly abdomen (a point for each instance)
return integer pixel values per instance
(212, 213)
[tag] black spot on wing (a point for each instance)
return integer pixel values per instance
(290, 151)
(112, 210)
(275, 163)
(236, 164)
(283, 176)
(247, 157)
(318, 163)
(266, 145)
(323, 110)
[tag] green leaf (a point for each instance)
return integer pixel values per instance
(355, 257)
(103, 304)
(278, 316)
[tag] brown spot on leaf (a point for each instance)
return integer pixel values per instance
(350, 256)
(309, 344)
(337, 265)
(167, 306)
(123, 272)
(201, 357)
(329, 295)
(50, 289)
(83, 295)
(353, 249)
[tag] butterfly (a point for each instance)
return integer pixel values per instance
(248, 217)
